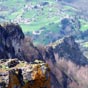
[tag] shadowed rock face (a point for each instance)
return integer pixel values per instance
(13, 44)
(69, 50)
(47, 54)
(11, 37)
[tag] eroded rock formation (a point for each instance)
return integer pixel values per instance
(13, 44)
(11, 37)
(24, 75)
(70, 50)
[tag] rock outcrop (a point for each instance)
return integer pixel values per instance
(69, 59)
(69, 50)
(35, 74)
(24, 75)
(11, 37)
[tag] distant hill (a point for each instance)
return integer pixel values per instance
(42, 19)
(81, 5)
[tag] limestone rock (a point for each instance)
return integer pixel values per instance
(12, 63)
(24, 75)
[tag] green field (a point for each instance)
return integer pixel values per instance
(39, 17)
(47, 13)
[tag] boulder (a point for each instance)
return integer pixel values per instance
(21, 74)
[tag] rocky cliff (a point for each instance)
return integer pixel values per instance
(21, 74)
(63, 56)
(70, 50)
(11, 37)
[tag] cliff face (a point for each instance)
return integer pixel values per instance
(20, 74)
(69, 50)
(61, 57)
(69, 62)
(11, 37)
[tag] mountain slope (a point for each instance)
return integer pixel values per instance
(10, 34)
(65, 59)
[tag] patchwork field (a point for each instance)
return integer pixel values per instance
(42, 18)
